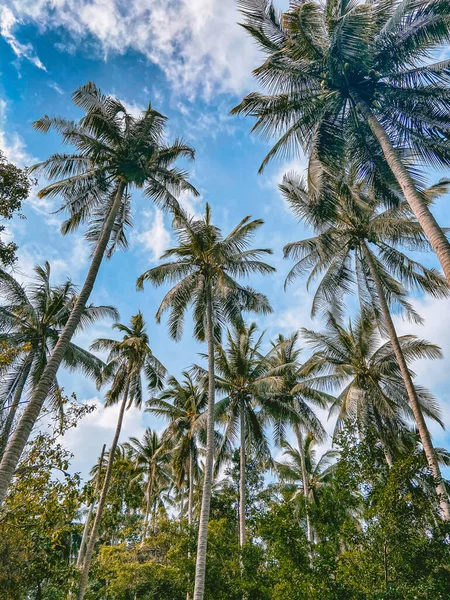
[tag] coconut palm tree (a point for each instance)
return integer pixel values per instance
(370, 237)
(152, 459)
(87, 522)
(354, 362)
(128, 359)
(355, 79)
(295, 393)
(242, 374)
(183, 404)
(318, 471)
(114, 154)
(32, 317)
(204, 271)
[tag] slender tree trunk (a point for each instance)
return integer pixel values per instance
(384, 446)
(242, 477)
(191, 487)
(33, 409)
(411, 390)
(6, 430)
(200, 567)
(301, 452)
(147, 508)
(102, 500)
(432, 230)
(90, 512)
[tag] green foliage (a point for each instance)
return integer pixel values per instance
(14, 189)
(38, 529)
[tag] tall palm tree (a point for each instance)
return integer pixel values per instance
(204, 269)
(90, 512)
(115, 153)
(372, 238)
(128, 359)
(183, 404)
(32, 317)
(295, 393)
(242, 374)
(354, 362)
(317, 473)
(355, 79)
(152, 459)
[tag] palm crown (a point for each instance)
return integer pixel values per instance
(183, 404)
(338, 254)
(34, 315)
(128, 358)
(208, 263)
(325, 60)
(365, 372)
(113, 150)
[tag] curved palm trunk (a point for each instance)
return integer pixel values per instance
(33, 409)
(242, 478)
(409, 385)
(90, 512)
(301, 452)
(102, 500)
(432, 230)
(6, 430)
(200, 566)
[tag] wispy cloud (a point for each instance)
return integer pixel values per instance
(196, 43)
(56, 87)
(8, 22)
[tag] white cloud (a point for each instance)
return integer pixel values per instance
(196, 43)
(70, 264)
(298, 166)
(12, 144)
(56, 87)
(191, 204)
(154, 236)
(96, 429)
(8, 22)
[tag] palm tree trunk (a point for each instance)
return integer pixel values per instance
(191, 487)
(301, 452)
(147, 508)
(242, 478)
(33, 409)
(384, 446)
(434, 233)
(6, 431)
(90, 512)
(200, 566)
(102, 499)
(409, 385)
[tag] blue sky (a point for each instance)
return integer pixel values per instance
(191, 60)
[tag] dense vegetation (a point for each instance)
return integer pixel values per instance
(237, 497)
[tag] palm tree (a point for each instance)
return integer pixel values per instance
(371, 237)
(243, 374)
(115, 153)
(32, 318)
(184, 405)
(152, 458)
(90, 512)
(204, 269)
(295, 393)
(305, 471)
(365, 372)
(355, 79)
(128, 359)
